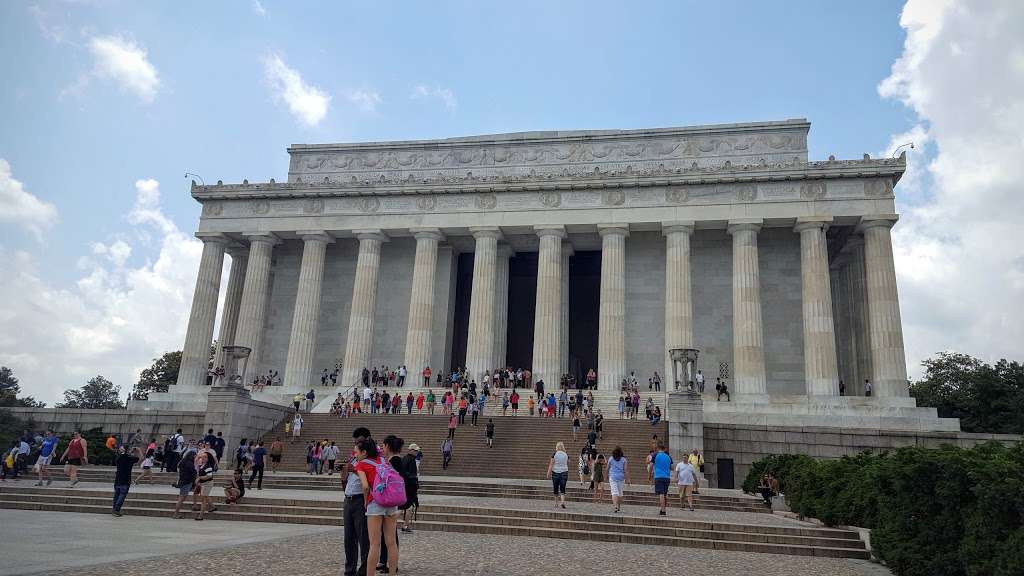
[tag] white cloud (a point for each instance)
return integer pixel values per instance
(959, 258)
(445, 95)
(258, 8)
(113, 320)
(18, 206)
(52, 26)
(125, 62)
(307, 102)
(366, 100)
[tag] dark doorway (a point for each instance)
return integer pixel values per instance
(522, 306)
(463, 290)
(584, 306)
(725, 473)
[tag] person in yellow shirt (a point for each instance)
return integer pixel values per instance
(696, 460)
(530, 404)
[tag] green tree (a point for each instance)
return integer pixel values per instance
(9, 390)
(159, 376)
(97, 393)
(984, 397)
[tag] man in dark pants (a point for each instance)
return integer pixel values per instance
(357, 539)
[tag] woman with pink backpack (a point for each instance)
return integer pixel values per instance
(383, 492)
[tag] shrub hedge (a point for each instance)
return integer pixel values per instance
(932, 511)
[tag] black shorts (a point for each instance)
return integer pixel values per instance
(75, 461)
(661, 485)
(515, 405)
(275, 458)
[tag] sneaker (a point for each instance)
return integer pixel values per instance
(118, 514)
(49, 481)
(40, 483)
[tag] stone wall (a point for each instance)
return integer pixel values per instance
(152, 422)
(748, 444)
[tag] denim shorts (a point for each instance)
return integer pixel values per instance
(185, 489)
(375, 509)
(661, 485)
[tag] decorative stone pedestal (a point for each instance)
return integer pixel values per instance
(686, 427)
(232, 410)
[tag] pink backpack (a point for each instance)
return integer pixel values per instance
(389, 489)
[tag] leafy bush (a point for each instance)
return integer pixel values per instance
(944, 511)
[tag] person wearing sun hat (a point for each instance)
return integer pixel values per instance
(410, 473)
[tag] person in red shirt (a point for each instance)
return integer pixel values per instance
(378, 518)
(426, 376)
(514, 398)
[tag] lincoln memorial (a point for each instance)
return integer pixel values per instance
(562, 252)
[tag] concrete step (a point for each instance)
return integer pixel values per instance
(552, 524)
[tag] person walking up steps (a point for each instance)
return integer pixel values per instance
(75, 456)
(46, 452)
(259, 458)
(558, 473)
(452, 425)
(276, 450)
(123, 477)
(618, 476)
(685, 477)
(598, 468)
(662, 467)
(489, 433)
(186, 481)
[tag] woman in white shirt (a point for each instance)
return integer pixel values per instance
(558, 472)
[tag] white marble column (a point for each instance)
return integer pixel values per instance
(252, 311)
(195, 355)
(505, 253)
(820, 365)
(678, 298)
(567, 252)
(480, 347)
(421, 302)
(299, 369)
(611, 338)
(359, 342)
(859, 316)
(845, 354)
(232, 301)
(547, 325)
(888, 359)
(747, 331)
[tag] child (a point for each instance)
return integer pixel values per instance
(147, 469)
(530, 404)
(235, 489)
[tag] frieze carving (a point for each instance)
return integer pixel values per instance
(369, 204)
(486, 201)
(677, 194)
(313, 206)
(878, 188)
(551, 199)
(812, 190)
(613, 197)
(746, 192)
(426, 203)
(260, 207)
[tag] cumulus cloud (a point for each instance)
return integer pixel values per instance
(959, 258)
(305, 101)
(113, 320)
(366, 100)
(18, 206)
(126, 63)
(445, 95)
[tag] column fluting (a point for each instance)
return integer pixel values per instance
(253, 309)
(195, 354)
(747, 331)
(505, 253)
(859, 315)
(547, 325)
(299, 369)
(480, 345)
(421, 302)
(359, 342)
(678, 297)
(232, 301)
(611, 340)
(888, 359)
(820, 365)
(567, 252)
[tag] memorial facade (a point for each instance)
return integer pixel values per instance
(562, 252)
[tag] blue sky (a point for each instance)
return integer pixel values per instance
(101, 98)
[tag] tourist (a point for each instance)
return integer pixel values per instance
(174, 449)
(697, 463)
(296, 427)
(867, 387)
(124, 463)
(314, 451)
(489, 433)
(563, 398)
(723, 389)
(186, 481)
(235, 489)
(598, 467)
(530, 404)
(514, 400)
(599, 425)
(426, 376)
(656, 416)
(504, 403)
(558, 472)
(474, 411)
(147, 469)
(618, 476)
(396, 403)
(592, 379)
(46, 450)
(410, 473)
(259, 457)
(204, 483)
(463, 408)
(622, 406)
(446, 451)
(575, 426)
(842, 388)
(402, 372)
(656, 381)
(431, 401)
(686, 478)
(700, 381)
(583, 465)
(297, 401)
(330, 455)
(276, 450)
(592, 438)
(452, 424)
(419, 401)
(75, 455)
(378, 518)
(357, 539)
(662, 466)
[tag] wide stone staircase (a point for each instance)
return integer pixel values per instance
(522, 445)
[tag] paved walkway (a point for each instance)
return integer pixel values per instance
(130, 546)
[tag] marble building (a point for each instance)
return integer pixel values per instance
(564, 251)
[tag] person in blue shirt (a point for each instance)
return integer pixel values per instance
(662, 465)
(45, 455)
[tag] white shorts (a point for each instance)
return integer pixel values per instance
(616, 487)
(44, 460)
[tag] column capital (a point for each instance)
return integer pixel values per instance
(677, 226)
(427, 233)
(613, 230)
(745, 224)
(217, 237)
(505, 251)
(485, 232)
(267, 237)
(314, 235)
(370, 234)
(811, 222)
(873, 220)
(550, 230)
